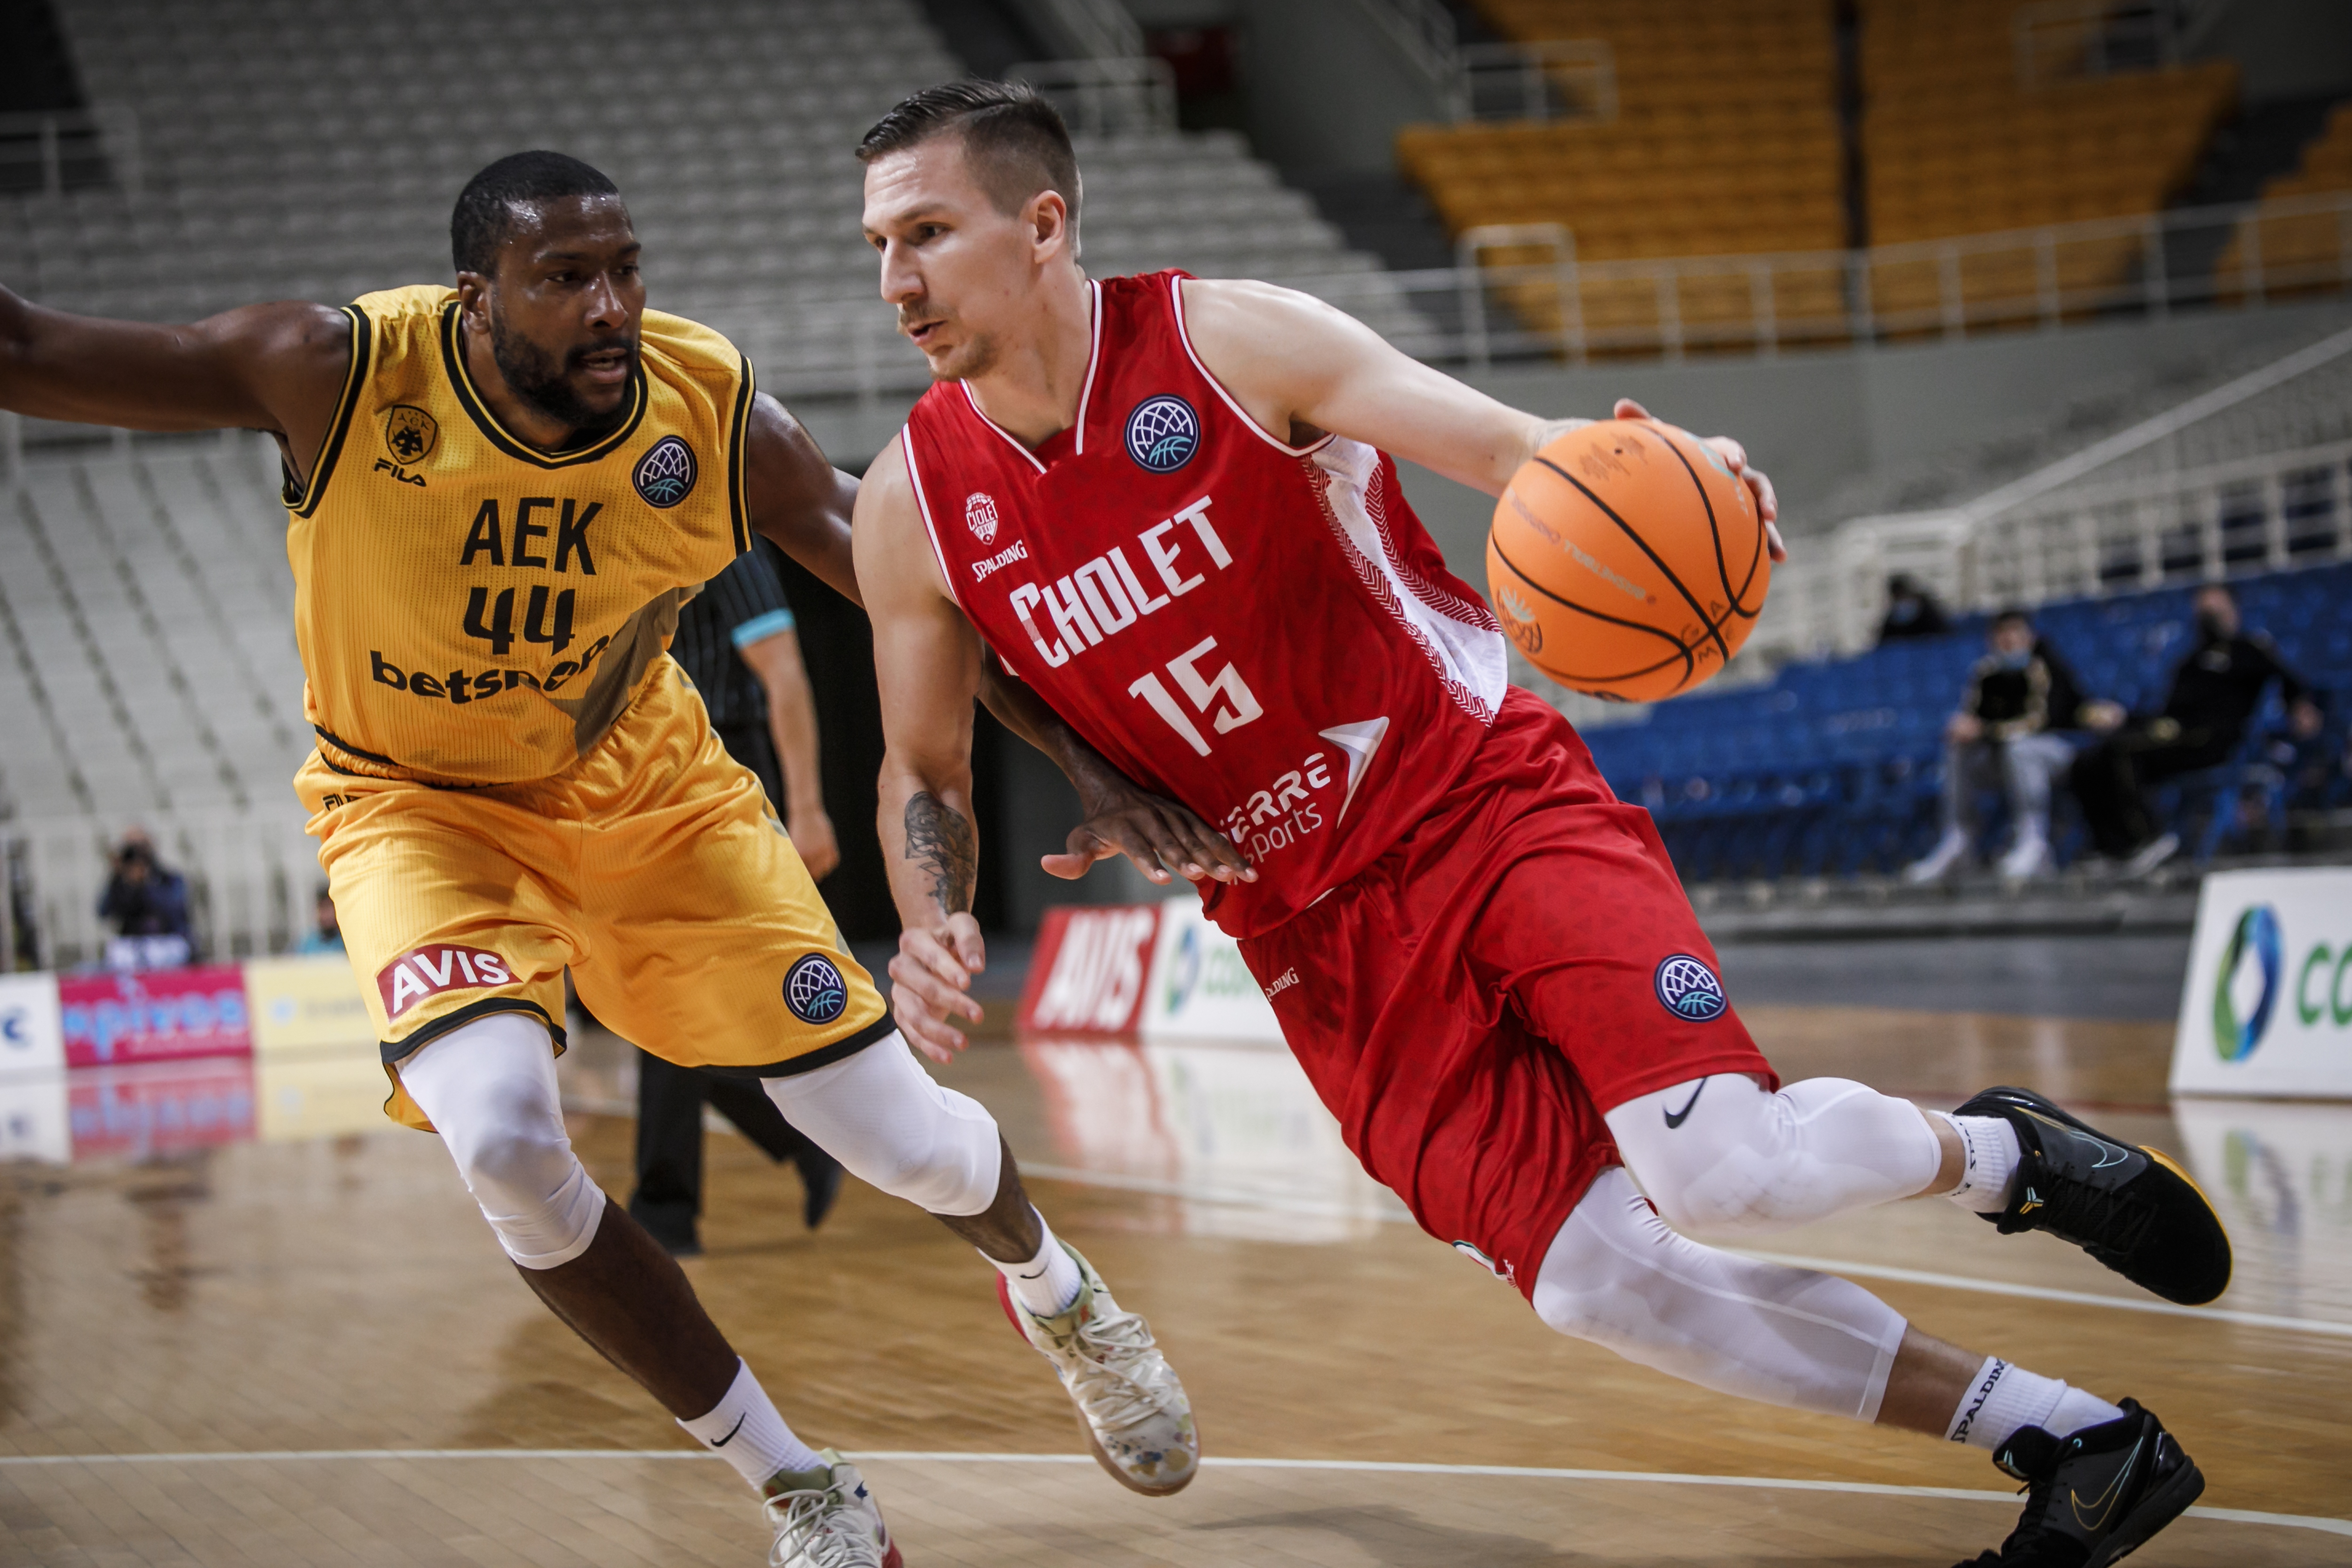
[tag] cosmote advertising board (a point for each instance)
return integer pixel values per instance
(2267, 1008)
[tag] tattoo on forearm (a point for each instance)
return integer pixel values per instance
(940, 840)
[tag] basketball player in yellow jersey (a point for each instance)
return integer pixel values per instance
(499, 494)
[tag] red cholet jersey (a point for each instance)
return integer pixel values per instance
(1264, 632)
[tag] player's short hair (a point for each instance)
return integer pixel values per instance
(2017, 613)
(1013, 134)
(484, 218)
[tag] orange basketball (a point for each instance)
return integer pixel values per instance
(1627, 561)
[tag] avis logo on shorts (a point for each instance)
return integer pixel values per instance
(429, 971)
(814, 990)
(1689, 990)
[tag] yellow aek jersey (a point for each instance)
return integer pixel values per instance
(474, 611)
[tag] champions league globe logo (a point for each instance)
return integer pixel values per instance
(664, 474)
(1163, 434)
(814, 990)
(1689, 989)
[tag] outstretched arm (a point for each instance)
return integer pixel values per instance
(279, 368)
(1301, 367)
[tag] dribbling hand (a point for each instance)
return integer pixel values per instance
(930, 977)
(1735, 457)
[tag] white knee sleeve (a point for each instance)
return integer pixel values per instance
(882, 1116)
(1616, 1276)
(488, 1087)
(1719, 1154)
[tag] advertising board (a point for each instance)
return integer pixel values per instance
(2267, 1006)
(163, 1014)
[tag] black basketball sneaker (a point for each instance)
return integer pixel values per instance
(2128, 1206)
(2092, 1497)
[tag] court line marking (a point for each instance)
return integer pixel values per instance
(1379, 1467)
(1325, 1208)
(2046, 1293)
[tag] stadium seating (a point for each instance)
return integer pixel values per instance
(1833, 768)
(1954, 144)
(1726, 142)
(313, 151)
(2300, 252)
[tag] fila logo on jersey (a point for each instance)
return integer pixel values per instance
(666, 474)
(1163, 433)
(814, 990)
(1688, 989)
(429, 971)
(980, 515)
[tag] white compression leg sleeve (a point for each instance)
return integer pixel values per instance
(488, 1087)
(1616, 1276)
(882, 1116)
(1719, 1154)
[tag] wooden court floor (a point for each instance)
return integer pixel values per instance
(311, 1350)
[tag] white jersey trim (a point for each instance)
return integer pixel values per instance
(923, 505)
(1094, 359)
(1460, 640)
(1086, 393)
(1184, 336)
(1010, 440)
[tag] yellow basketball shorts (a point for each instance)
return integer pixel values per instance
(655, 870)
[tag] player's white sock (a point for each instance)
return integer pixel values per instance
(1047, 1283)
(745, 1430)
(1993, 1153)
(2002, 1398)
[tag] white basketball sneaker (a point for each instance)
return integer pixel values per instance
(836, 1525)
(1132, 1408)
(2029, 858)
(1936, 861)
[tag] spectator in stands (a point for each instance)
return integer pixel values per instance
(737, 642)
(2019, 718)
(2213, 696)
(148, 904)
(326, 933)
(1911, 611)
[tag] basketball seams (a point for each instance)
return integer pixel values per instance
(1737, 596)
(1682, 649)
(1714, 627)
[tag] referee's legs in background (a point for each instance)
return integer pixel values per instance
(668, 1197)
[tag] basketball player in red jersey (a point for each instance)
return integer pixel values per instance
(1170, 506)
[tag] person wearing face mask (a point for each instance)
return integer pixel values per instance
(1911, 611)
(2213, 696)
(2019, 718)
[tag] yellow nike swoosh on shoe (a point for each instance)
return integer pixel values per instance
(2109, 1497)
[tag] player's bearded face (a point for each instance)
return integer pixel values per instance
(552, 378)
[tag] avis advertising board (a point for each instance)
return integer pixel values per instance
(2267, 1009)
(1154, 971)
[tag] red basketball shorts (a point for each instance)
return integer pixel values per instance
(1471, 1004)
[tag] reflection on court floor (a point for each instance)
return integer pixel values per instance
(2280, 1173)
(1233, 1130)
